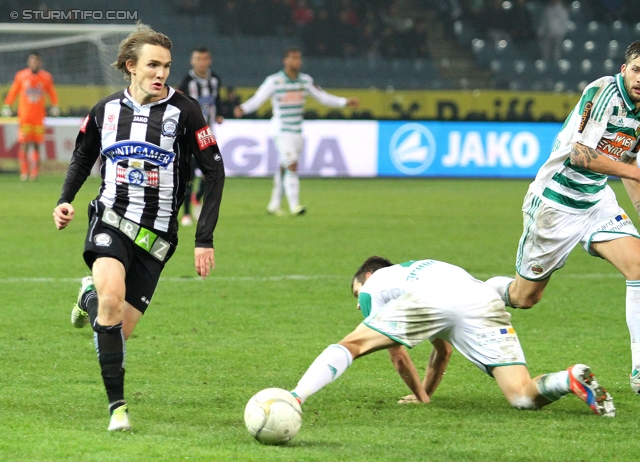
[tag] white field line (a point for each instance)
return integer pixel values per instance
(288, 277)
(296, 277)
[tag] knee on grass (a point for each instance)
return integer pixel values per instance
(523, 403)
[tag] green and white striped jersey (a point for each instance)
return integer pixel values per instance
(605, 119)
(288, 98)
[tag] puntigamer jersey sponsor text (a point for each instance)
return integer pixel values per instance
(145, 152)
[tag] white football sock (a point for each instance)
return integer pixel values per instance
(501, 285)
(633, 321)
(327, 367)
(554, 386)
(292, 188)
(276, 192)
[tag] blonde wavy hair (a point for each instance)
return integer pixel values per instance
(130, 47)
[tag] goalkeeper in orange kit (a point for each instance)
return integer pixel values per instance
(30, 86)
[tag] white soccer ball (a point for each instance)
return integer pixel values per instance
(273, 416)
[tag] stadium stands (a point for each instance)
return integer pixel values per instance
(404, 44)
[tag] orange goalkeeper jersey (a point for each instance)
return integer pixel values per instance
(32, 89)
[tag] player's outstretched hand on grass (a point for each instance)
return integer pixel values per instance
(205, 261)
(63, 214)
(353, 102)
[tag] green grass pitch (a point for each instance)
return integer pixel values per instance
(278, 296)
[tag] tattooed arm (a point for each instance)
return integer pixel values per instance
(590, 159)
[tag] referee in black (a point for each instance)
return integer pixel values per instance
(145, 136)
(203, 85)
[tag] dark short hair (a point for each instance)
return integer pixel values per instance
(632, 52)
(200, 50)
(289, 50)
(36, 54)
(370, 265)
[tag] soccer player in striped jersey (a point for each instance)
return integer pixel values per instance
(288, 90)
(145, 136)
(31, 86)
(203, 85)
(570, 203)
(409, 303)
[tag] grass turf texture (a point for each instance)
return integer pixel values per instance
(278, 297)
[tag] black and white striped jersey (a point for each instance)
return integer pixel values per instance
(206, 91)
(145, 153)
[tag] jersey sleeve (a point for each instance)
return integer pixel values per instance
(14, 90)
(263, 93)
(595, 108)
(84, 156)
(205, 149)
(325, 98)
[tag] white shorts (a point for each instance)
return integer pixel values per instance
(550, 234)
(481, 332)
(289, 146)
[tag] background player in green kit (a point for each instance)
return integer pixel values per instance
(569, 202)
(288, 90)
(408, 303)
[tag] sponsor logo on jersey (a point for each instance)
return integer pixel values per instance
(292, 97)
(412, 148)
(83, 127)
(102, 240)
(205, 138)
(128, 149)
(169, 128)
(585, 116)
(502, 336)
(620, 223)
(614, 148)
(140, 119)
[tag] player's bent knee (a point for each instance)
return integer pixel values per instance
(100, 329)
(523, 402)
(525, 301)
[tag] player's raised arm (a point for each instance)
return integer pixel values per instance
(327, 98)
(262, 94)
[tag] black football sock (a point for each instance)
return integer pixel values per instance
(110, 346)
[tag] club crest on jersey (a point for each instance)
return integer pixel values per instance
(537, 268)
(169, 128)
(205, 138)
(102, 240)
(137, 176)
(127, 150)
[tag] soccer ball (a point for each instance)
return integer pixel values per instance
(273, 416)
